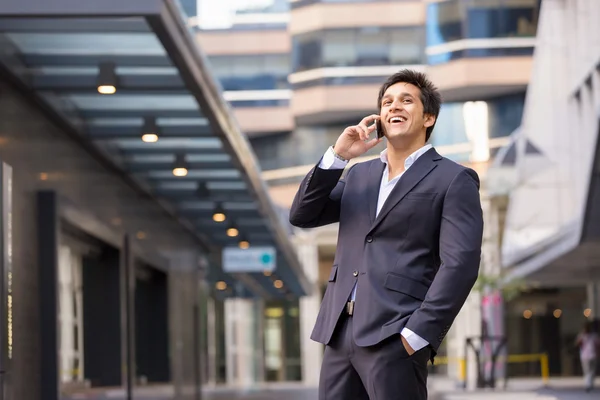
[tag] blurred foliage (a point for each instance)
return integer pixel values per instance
(510, 289)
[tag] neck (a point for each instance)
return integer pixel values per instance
(397, 154)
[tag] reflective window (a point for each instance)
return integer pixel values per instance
(504, 116)
(501, 18)
(454, 20)
(450, 128)
(189, 7)
(367, 46)
(444, 22)
(252, 72)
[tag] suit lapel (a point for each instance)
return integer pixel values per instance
(373, 186)
(419, 170)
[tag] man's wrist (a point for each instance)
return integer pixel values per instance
(338, 155)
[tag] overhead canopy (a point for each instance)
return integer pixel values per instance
(61, 51)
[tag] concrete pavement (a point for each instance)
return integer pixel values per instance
(440, 389)
(523, 389)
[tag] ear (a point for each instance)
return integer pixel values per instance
(429, 120)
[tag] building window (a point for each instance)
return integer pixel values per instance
(500, 18)
(502, 118)
(480, 28)
(355, 47)
(252, 72)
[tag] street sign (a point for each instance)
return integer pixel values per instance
(254, 259)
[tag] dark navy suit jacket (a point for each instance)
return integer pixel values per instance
(415, 263)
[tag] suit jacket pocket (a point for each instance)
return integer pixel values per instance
(420, 195)
(405, 285)
(333, 273)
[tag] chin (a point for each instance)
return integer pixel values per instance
(397, 134)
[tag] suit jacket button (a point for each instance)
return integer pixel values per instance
(369, 239)
(355, 273)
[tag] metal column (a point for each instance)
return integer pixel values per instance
(128, 317)
(48, 232)
(5, 276)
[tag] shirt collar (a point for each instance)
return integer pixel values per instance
(410, 159)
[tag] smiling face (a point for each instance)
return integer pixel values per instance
(402, 115)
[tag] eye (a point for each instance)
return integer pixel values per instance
(408, 101)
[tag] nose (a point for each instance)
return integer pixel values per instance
(396, 105)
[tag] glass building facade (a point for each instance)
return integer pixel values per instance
(190, 7)
(499, 117)
(363, 46)
(451, 21)
(252, 71)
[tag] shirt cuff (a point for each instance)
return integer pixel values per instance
(415, 341)
(330, 161)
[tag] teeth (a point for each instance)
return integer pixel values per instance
(397, 119)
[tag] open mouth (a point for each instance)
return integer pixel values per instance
(397, 120)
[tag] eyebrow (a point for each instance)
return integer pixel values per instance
(403, 94)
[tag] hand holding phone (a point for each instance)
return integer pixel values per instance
(354, 140)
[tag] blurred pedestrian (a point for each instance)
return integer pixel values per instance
(588, 344)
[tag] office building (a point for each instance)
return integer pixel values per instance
(549, 174)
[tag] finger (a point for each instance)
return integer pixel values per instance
(365, 131)
(361, 132)
(369, 119)
(352, 132)
(358, 133)
(373, 142)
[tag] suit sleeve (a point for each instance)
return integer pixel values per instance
(318, 199)
(461, 234)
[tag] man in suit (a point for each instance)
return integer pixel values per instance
(408, 252)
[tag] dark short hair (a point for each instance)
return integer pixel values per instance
(430, 96)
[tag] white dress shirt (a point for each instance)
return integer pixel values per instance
(330, 161)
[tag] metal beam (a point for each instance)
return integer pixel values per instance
(168, 151)
(89, 113)
(67, 25)
(215, 196)
(152, 179)
(128, 83)
(124, 131)
(83, 9)
(168, 166)
(93, 60)
(231, 214)
(138, 135)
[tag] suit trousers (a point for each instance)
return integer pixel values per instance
(384, 371)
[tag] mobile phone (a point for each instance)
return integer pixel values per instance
(379, 129)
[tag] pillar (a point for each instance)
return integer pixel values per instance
(312, 352)
(240, 342)
(184, 329)
(48, 231)
(593, 300)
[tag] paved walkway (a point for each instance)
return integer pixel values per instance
(441, 389)
(523, 389)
